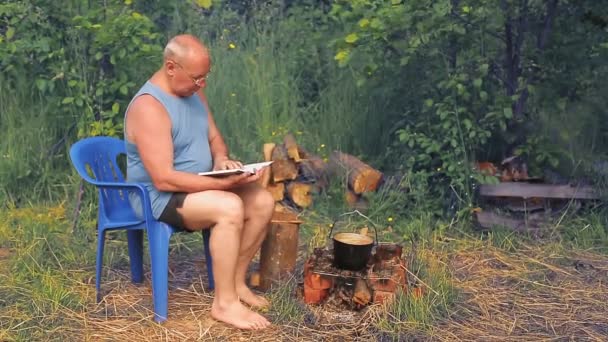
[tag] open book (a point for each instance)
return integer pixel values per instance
(249, 168)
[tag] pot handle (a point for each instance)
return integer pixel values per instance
(333, 224)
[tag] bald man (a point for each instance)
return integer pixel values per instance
(171, 136)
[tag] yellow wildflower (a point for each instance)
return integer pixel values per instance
(390, 219)
(232, 46)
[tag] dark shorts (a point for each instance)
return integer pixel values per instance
(170, 214)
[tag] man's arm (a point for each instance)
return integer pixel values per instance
(219, 150)
(149, 128)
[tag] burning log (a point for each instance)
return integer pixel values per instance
(299, 193)
(361, 177)
(283, 168)
(362, 294)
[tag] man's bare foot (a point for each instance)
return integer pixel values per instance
(237, 315)
(246, 295)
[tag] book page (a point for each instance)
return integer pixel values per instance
(250, 168)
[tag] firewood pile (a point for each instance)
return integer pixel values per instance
(296, 174)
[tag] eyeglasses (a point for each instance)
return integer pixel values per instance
(197, 80)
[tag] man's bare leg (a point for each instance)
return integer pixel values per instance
(224, 211)
(259, 207)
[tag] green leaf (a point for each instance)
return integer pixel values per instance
(375, 23)
(67, 100)
(206, 4)
(10, 33)
(363, 23)
(98, 56)
(115, 108)
(478, 82)
(124, 90)
(79, 102)
(41, 84)
(351, 38)
(508, 112)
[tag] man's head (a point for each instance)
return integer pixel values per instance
(186, 64)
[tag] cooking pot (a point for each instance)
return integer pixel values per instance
(352, 250)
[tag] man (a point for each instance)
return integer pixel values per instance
(171, 135)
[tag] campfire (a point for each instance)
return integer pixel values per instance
(377, 282)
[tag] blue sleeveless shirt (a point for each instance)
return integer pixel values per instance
(191, 151)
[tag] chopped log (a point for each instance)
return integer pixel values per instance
(362, 295)
(279, 251)
(361, 177)
(490, 220)
(355, 201)
(292, 147)
(313, 169)
(283, 168)
(277, 190)
(300, 194)
(265, 179)
(268, 148)
(527, 190)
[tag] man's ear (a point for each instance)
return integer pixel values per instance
(170, 67)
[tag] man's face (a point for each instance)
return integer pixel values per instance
(189, 74)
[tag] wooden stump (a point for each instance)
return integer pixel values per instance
(280, 248)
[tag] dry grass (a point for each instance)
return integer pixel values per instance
(531, 294)
(534, 293)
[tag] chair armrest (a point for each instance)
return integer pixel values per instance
(141, 192)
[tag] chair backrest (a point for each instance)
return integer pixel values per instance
(99, 155)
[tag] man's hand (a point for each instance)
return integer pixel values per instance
(235, 181)
(226, 164)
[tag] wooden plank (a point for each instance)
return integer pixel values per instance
(528, 190)
(489, 220)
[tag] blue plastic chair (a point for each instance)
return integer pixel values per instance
(100, 154)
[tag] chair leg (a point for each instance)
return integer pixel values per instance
(101, 238)
(136, 241)
(206, 236)
(159, 236)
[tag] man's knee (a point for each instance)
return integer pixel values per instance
(264, 202)
(230, 209)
